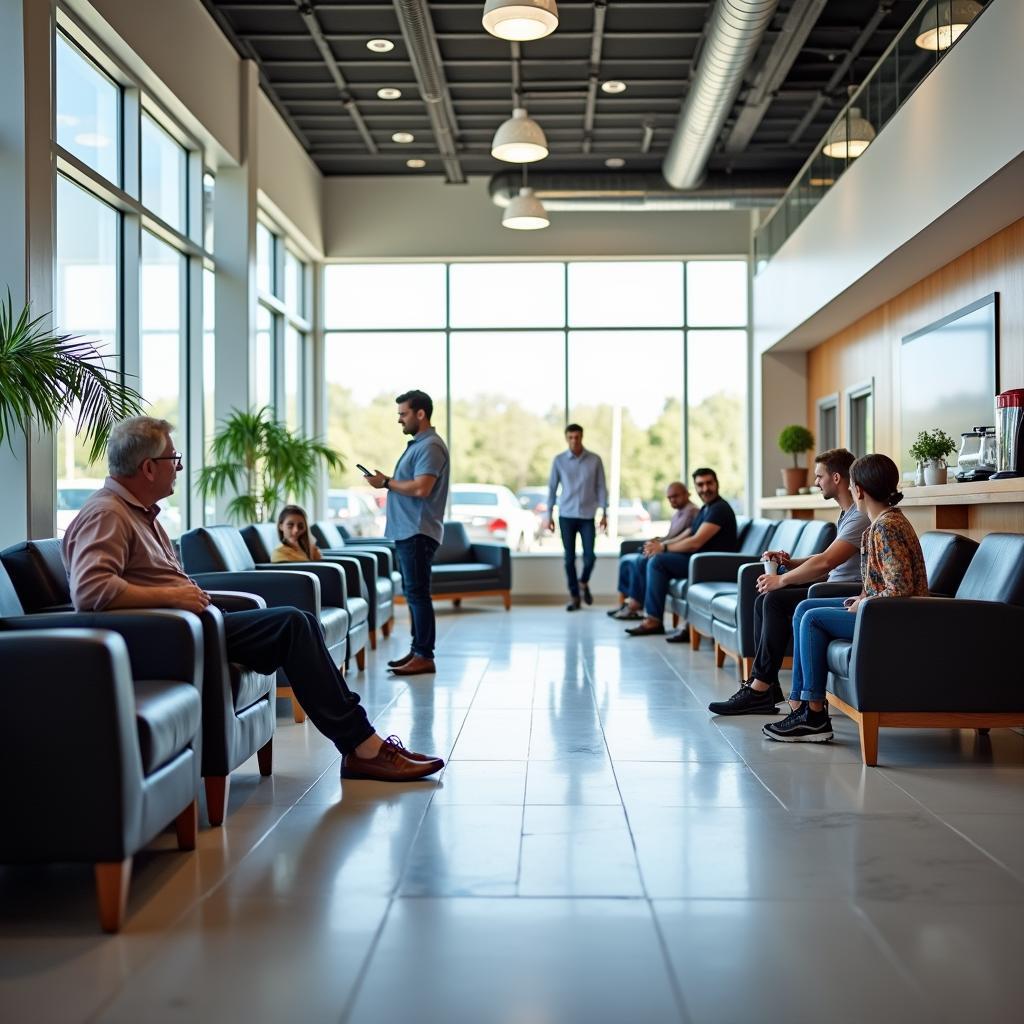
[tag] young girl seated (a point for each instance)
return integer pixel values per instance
(892, 565)
(296, 543)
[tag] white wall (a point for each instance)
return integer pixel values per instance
(423, 218)
(943, 175)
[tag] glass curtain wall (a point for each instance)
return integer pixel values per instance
(649, 356)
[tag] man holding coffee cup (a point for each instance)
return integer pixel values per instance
(780, 592)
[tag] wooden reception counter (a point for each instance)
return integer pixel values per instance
(973, 509)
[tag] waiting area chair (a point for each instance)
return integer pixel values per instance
(462, 569)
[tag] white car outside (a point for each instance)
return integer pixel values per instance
(492, 513)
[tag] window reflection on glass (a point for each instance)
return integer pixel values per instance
(209, 374)
(209, 192)
(163, 278)
(294, 283)
(163, 174)
(633, 420)
(716, 383)
(634, 294)
(293, 378)
(87, 113)
(507, 294)
(828, 425)
(86, 289)
(375, 296)
(264, 356)
(862, 422)
(716, 293)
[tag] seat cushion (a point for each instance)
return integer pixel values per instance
(336, 622)
(677, 588)
(167, 716)
(468, 571)
(248, 686)
(839, 654)
(700, 595)
(385, 590)
(723, 608)
(358, 611)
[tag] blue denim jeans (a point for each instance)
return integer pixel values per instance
(661, 570)
(415, 557)
(569, 527)
(633, 576)
(816, 623)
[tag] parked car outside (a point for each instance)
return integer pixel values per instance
(492, 513)
(634, 519)
(535, 500)
(72, 495)
(356, 511)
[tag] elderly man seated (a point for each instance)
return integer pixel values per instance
(118, 556)
(633, 567)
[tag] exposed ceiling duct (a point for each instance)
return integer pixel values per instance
(638, 191)
(734, 33)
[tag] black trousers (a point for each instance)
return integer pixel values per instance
(267, 639)
(773, 630)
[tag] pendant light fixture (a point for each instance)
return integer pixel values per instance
(519, 140)
(852, 134)
(525, 212)
(944, 22)
(519, 21)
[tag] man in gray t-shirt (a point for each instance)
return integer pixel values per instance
(779, 595)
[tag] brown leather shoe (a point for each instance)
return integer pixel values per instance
(402, 660)
(415, 666)
(412, 755)
(390, 765)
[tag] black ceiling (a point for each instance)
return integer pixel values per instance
(648, 45)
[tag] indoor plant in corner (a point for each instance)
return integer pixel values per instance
(931, 449)
(260, 461)
(794, 440)
(46, 377)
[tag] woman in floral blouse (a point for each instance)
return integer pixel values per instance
(892, 565)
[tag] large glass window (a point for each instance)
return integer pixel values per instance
(377, 296)
(507, 294)
(636, 294)
(209, 372)
(716, 293)
(163, 174)
(292, 378)
(264, 356)
(265, 259)
(88, 111)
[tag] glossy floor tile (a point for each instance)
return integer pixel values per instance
(598, 849)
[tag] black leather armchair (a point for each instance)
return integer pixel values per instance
(932, 662)
(116, 756)
(462, 569)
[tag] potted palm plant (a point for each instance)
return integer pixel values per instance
(260, 461)
(931, 449)
(794, 440)
(46, 377)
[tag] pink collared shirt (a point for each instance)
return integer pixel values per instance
(113, 541)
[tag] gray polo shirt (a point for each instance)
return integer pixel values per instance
(852, 523)
(425, 455)
(582, 481)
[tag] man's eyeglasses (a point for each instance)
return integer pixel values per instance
(175, 458)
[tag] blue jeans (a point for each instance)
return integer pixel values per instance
(816, 623)
(633, 576)
(569, 527)
(415, 557)
(661, 570)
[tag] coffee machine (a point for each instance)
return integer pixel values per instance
(1009, 434)
(977, 458)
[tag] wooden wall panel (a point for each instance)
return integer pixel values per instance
(870, 347)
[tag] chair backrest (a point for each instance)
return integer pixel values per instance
(9, 603)
(946, 558)
(455, 547)
(327, 534)
(816, 536)
(215, 549)
(996, 572)
(756, 537)
(742, 525)
(787, 534)
(260, 539)
(36, 570)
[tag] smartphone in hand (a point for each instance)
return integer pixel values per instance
(362, 469)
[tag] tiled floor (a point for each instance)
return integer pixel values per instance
(598, 849)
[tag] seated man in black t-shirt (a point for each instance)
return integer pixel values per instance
(714, 529)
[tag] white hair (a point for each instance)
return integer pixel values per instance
(133, 441)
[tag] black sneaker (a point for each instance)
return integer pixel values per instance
(588, 597)
(615, 611)
(802, 726)
(573, 605)
(748, 701)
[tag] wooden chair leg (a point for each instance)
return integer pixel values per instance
(265, 757)
(506, 599)
(719, 655)
(694, 639)
(216, 797)
(361, 659)
(386, 628)
(373, 639)
(746, 668)
(675, 621)
(869, 737)
(186, 824)
(297, 713)
(112, 880)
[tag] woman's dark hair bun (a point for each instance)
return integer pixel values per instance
(895, 498)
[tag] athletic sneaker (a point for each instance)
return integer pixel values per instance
(615, 611)
(626, 614)
(748, 701)
(802, 726)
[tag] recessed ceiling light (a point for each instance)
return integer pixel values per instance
(415, 164)
(380, 45)
(615, 161)
(403, 137)
(613, 86)
(387, 93)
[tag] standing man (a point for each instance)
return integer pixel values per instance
(417, 494)
(581, 476)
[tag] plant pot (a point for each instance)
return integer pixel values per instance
(934, 472)
(793, 478)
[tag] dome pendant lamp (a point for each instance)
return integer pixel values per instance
(519, 21)
(943, 23)
(525, 212)
(850, 137)
(520, 140)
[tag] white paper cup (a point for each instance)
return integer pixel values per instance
(771, 567)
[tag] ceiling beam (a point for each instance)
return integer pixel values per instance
(594, 72)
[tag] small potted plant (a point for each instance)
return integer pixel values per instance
(931, 449)
(793, 440)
